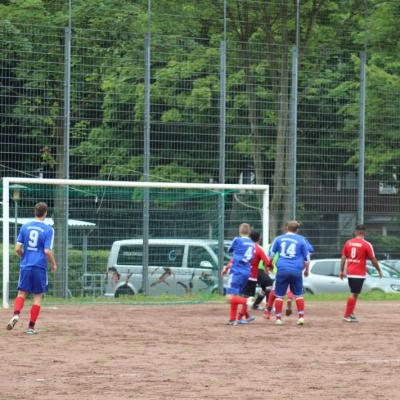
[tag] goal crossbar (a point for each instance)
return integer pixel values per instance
(217, 187)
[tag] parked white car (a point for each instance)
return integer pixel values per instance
(176, 266)
(324, 278)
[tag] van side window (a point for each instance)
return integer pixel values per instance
(165, 256)
(198, 254)
(159, 256)
(130, 255)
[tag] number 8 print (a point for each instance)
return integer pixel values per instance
(353, 252)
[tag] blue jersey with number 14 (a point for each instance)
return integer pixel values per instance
(293, 250)
(35, 237)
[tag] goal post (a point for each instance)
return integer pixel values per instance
(188, 191)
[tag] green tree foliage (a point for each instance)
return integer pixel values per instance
(108, 87)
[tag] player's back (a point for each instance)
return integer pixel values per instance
(35, 236)
(293, 252)
(242, 250)
(357, 251)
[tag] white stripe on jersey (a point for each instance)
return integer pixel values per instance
(370, 245)
(52, 239)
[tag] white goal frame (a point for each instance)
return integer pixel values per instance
(84, 182)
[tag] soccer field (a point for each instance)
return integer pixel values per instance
(187, 352)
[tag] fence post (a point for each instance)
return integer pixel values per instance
(361, 154)
(146, 166)
(293, 133)
(66, 144)
(222, 132)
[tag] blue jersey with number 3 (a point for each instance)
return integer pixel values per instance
(293, 250)
(35, 237)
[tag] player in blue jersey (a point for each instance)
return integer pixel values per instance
(34, 247)
(242, 250)
(294, 257)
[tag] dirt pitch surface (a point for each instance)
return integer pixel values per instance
(187, 352)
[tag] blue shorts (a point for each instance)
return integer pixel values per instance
(33, 280)
(237, 283)
(287, 278)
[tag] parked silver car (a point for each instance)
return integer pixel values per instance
(324, 278)
(176, 266)
(392, 263)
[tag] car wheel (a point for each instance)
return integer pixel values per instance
(377, 290)
(308, 291)
(124, 290)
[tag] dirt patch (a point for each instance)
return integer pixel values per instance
(187, 352)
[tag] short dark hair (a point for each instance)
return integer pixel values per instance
(255, 236)
(40, 209)
(293, 226)
(361, 228)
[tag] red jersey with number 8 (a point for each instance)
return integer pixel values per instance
(357, 251)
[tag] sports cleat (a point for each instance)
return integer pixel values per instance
(300, 321)
(348, 319)
(353, 318)
(289, 312)
(246, 321)
(233, 322)
(278, 322)
(31, 331)
(12, 322)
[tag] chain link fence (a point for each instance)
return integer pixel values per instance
(190, 111)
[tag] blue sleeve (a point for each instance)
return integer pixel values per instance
(310, 248)
(233, 246)
(305, 250)
(48, 243)
(21, 235)
(274, 248)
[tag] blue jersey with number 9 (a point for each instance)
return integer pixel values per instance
(35, 237)
(293, 250)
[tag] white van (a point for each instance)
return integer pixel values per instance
(176, 266)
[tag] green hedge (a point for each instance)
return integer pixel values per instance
(97, 263)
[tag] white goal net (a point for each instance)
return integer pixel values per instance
(115, 238)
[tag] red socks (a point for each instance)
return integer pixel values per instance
(300, 306)
(271, 299)
(278, 307)
(235, 301)
(34, 315)
(243, 312)
(350, 306)
(233, 313)
(18, 305)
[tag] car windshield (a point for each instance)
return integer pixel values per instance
(395, 264)
(387, 271)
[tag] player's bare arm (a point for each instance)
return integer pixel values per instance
(377, 267)
(306, 268)
(342, 264)
(19, 249)
(52, 260)
(227, 268)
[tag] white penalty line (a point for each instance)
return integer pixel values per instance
(371, 361)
